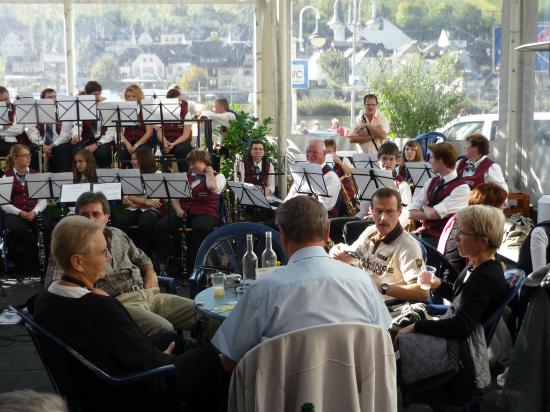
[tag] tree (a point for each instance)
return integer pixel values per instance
(106, 72)
(419, 96)
(191, 78)
(335, 67)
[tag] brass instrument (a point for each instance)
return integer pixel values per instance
(351, 208)
(229, 208)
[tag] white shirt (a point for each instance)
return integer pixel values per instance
(311, 290)
(64, 135)
(12, 210)
(332, 181)
(10, 134)
(67, 291)
(539, 244)
(219, 119)
(378, 120)
(270, 176)
(492, 175)
(108, 137)
(406, 199)
(457, 199)
(220, 183)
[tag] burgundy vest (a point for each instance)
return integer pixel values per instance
(202, 201)
(21, 138)
(435, 227)
(172, 131)
(250, 177)
(479, 174)
(20, 194)
(134, 133)
(87, 136)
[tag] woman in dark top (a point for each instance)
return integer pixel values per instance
(101, 329)
(476, 293)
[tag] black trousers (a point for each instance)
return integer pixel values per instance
(180, 151)
(62, 159)
(145, 221)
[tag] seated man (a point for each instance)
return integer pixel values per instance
(130, 276)
(441, 196)
(315, 153)
(311, 290)
(391, 255)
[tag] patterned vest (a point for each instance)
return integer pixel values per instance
(479, 174)
(202, 201)
(20, 194)
(435, 227)
(251, 177)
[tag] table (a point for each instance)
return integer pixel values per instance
(209, 305)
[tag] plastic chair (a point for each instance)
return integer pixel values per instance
(434, 258)
(61, 361)
(429, 138)
(168, 284)
(223, 249)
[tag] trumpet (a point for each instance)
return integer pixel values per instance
(351, 208)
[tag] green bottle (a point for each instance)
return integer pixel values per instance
(308, 407)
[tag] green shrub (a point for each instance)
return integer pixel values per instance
(322, 107)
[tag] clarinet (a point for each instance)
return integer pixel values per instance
(183, 248)
(40, 246)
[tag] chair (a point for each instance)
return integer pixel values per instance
(429, 138)
(61, 361)
(434, 258)
(327, 365)
(170, 285)
(223, 248)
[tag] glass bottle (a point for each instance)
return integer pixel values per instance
(269, 258)
(307, 407)
(250, 260)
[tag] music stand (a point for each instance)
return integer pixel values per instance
(300, 158)
(76, 109)
(420, 173)
(113, 114)
(6, 187)
(365, 160)
(166, 185)
(71, 192)
(4, 113)
(47, 185)
(308, 178)
(248, 194)
(130, 180)
(369, 180)
(161, 111)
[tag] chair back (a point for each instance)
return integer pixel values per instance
(429, 138)
(436, 259)
(223, 249)
(93, 388)
(514, 278)
(326, 365)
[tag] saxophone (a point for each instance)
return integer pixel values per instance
(351, 209)
(228, 205)
(183, 247)
(40, 244)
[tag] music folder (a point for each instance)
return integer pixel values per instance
(70, 193)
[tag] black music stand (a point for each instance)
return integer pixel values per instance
(118, 115)
(76, 109)
(420, 173)
(308, 178)
(247, 194)
(369, 180)
(47, 185)
(166, 185)
(4, 113)
(6, 186)
(70, 193)
(30, 111)
(365, 160)
(130, 180)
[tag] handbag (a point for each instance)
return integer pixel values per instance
(426, 359)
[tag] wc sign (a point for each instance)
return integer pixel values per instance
(299, 74)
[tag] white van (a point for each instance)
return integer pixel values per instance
(486, 124)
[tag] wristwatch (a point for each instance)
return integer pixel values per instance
(384, 287)
(98, 143)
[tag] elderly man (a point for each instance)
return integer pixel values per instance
(311, 290)
(442, 195)
(315, 153)
(370, 128)
(391, 255)
(130, 277)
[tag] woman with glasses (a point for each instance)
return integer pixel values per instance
(20, 215)
(99, 327)
(476, 293)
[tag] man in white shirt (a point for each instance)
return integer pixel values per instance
(370, 128)
(391, 255)
(442, 195)
(221, 115)
(311, 290)
(315, 153)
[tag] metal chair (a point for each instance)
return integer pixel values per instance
(223, 248)
(428, 138)
(61, 362)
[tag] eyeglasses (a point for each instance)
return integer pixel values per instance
(91, 214)
(460, 233)
(28, 155)
(105, 252)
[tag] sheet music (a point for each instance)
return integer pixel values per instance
(25, 111)
(308, 178)
(249, 194)
(4, 113)
(111, 113)
(6, 186)
(71, 192)
(47, 185)
(68, 112)
(46, 110)
(130, 179)
(362, 160)
(171, 110)
(369, 179)
(300, 158)
(420, 172)
(166, 185)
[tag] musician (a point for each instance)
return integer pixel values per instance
(476, 167)
(20, 216)
(93, 137)
(13, 133)
(140, 210)
(56, 140)
(176, 138)
(412, 152)
(221, 115)
(442, 195)
(134, 137)
(84, 167)
(315, 153)
(370, 128)
(200, 211)
(258, 170)
(342, 167)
